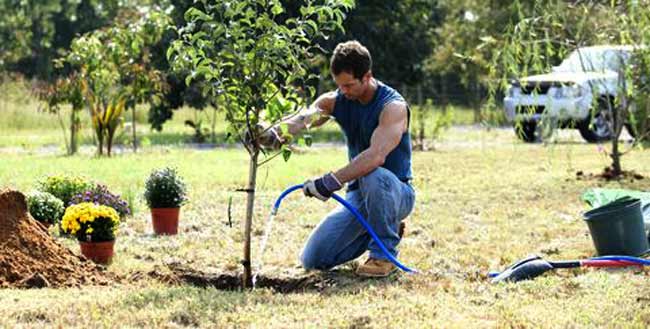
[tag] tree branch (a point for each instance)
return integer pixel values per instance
(266, 160)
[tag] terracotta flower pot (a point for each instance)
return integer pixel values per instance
(98, 252)
(165, 220)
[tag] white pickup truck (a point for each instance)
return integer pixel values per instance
(578, 94)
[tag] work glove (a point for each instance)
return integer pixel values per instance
(322, 187)
(268, 137)
(271, 138)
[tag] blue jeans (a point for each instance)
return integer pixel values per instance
(383, 200)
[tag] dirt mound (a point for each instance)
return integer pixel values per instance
(30, 257)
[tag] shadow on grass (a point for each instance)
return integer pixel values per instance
(335, 281)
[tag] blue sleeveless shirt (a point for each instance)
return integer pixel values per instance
(359, 121)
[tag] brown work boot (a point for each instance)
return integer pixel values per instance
(376, 268)
(402, 227)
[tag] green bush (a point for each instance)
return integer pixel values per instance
(429, 123)
(45, 207)
(442, 122)
(64, 187)
(164, 188)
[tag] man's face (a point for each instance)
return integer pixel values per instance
(351, 87)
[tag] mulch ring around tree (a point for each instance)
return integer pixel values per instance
(31, 258)
(181, 274)
(608, 175)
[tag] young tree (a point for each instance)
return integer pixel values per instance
(131, 41)
(552, 29)
(253, 53)
(65, 91)
(111, 74)
(97, 80)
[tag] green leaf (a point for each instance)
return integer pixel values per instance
(286, 154)
(171, 50)
(188, 79)
(284, 128)
(194, 14)
(348, 3)
(277, 10)
(313, 25)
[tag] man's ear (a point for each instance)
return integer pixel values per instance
(366, 77)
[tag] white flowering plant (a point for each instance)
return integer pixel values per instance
(45, 207)
(164, 188)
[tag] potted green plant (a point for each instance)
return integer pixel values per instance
(165, 192)
(95, 227)
(64, 187)
(45, 207)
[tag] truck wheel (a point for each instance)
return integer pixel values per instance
(597, 128)
(526, 130)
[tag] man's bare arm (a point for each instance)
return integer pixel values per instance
(313, 116)
(393, 122)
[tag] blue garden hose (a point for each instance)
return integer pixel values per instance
(637, 260)
(359, 218)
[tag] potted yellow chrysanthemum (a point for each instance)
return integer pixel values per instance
(95, 227)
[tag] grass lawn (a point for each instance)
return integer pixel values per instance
(25, 126)
(484, 200)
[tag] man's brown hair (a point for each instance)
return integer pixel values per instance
(351, 57)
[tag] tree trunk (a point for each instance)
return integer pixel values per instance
(109, 142)
(250, 202)
(476, 101)
(421, 118)
(3, 100)
(135, 144)
(214, 124)
(616, 159)
(100, 142)
(74, 131)
(617, 124)
(618, 112)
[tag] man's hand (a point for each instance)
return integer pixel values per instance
(269, 137)
(323, 187)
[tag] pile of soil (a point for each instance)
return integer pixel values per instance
(30, 257)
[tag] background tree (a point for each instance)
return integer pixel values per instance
(462, 52)
(398, 33)
(65, 91)
(33, 33)
(112, 71)
(133, 41)
(542, 37)
(177, 93)
(253, 53)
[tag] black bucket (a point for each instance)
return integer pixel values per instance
(617, 228)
